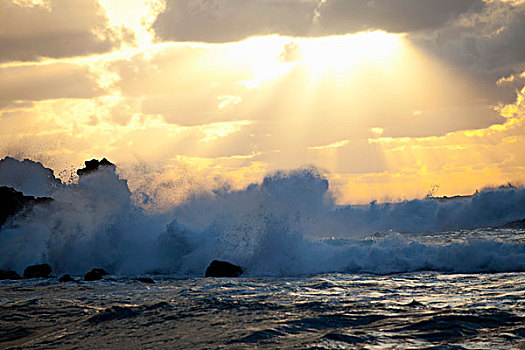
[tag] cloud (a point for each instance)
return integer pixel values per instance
(337, 144)
(459, 161)
(61, 28)
(487, 44)
(48, 81)
(186, 85)
(234, 20)
(395, 16)
(192, 85)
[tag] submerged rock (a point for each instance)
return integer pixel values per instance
(415, 303)
(9, 275)
(95, 275)
(13, 202)
(37, 271)
(66, 278)
(93, 165)
(223, 269)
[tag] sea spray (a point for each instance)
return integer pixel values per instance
(274, 228)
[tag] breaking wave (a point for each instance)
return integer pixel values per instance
(275, 228)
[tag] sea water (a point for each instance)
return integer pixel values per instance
(416, 274)
(419, 310)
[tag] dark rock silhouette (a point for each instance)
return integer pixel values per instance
(37, 271)
(95, 275)
(101, 271)
(453, 198)
(93, 165)
(13, 202)
(66, 278)
(518, 224)
(144, 280)
(223, 269)
(9, 275)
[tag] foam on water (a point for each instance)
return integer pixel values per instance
(273, 228)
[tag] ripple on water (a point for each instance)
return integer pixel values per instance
(418, 310)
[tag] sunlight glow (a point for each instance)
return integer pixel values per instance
(263, 56)
(123, 13)
(272, 57)
(344, 52)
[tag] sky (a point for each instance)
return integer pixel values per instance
(390, 99)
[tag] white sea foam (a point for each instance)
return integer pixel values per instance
(27, 176)
(272, 228)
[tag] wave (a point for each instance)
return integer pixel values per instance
(273, 228)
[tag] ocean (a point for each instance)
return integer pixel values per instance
(417, 274)
(418, 310)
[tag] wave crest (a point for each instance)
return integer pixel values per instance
(272, 228)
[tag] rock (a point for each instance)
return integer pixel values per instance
(92, 276)
(9, 275)
(144, 280)
(415, 303)
(13, 202)
(37, 271)
(223, 269)
(93, 165)
(516, 225)
(448, 199)
(95, 275)
(66, 278)
(101, 271)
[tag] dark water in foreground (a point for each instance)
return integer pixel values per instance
(407, 311)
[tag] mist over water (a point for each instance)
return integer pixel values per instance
(282, 226)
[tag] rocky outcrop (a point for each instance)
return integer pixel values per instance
(95, 275)
(37, 271)
(9, 275)
(13, 202)
(223, 269)
(519, 224)
(93, 165)
(66, 278)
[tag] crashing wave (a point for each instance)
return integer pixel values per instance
(272, 228)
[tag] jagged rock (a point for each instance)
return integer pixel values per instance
(95, 275)
(9, 275)
(13, 202)
(66, 278)
(145, 280)
(37, 271)
(223, 269)
(93, 165)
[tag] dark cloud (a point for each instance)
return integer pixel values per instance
(488, 44)
(395, 16)
(234, 20)
(41, 82)
(65, 28)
